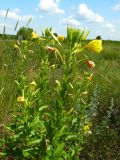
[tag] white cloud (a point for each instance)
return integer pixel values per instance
(116, 7)
(89, 15)
(14, 16)
(8, 28)
(5, 24)
(70, 21)
(50, 6)
(11, 15)
(111, 27)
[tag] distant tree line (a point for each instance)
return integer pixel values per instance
(7, 36)
(25, 34)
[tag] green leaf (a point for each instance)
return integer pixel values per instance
(49, 115)
(34, 141)
(73, 152)
(55, 38)
(26, 152)
(21, 127)
(43, 107)
(60, 133)
(46, 158)
(71, 137)
(2, 154)
(85, 35)
(78, 50)
(9, 128)
(37, 123)
(74, 121)
(59, 150)
(16, 136)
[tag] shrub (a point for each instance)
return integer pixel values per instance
(24, 33)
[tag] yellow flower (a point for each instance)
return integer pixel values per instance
(34, 35)
(90, 77)
(33, 85)
(86, 128)
(20, 99)
(95, 46)
(16, 46)
(53, 66)
(61, 38)
(91, 64)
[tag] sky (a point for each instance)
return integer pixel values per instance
(100, 17)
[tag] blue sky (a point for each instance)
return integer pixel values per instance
(100, 17)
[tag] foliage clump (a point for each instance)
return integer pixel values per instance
(53, 116)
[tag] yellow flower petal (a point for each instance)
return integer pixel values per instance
(16, 46)
(90, 77)
(20, 99)
(34, 35)
(86, 128)
(95, 46)
(53, 66)
(61, 38)
(33, 84)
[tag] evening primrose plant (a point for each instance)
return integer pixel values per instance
(51, 121)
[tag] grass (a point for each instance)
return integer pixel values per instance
(106, 73)
(106, 76)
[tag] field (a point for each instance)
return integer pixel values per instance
(40, 66)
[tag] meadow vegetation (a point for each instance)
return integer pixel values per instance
(59, 97)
